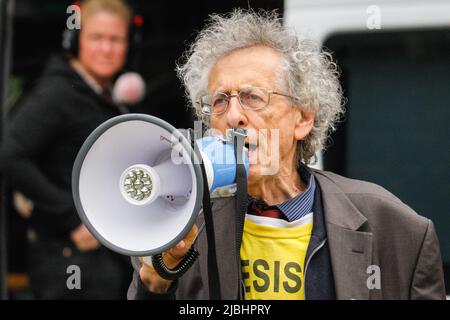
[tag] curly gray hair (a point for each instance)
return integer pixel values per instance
(308, 72)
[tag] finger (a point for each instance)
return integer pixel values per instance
(192, 234)
(174, 255)
(88, 244)
(144, 275)
(94, 244)
(181, 245)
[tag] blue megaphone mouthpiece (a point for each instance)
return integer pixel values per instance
(220, 161)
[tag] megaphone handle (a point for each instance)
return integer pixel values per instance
(181, 268)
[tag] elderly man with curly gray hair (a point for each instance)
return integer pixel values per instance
(308, 234)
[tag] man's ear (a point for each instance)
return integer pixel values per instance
(304, 123)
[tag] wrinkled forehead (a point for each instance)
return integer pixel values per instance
(254, 66)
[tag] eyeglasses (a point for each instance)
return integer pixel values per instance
(250, 98)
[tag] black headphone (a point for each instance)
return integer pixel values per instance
(70, 41)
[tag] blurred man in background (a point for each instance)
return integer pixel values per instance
(71, 99)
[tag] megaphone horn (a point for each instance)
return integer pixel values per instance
(137, 183)
(129, 193)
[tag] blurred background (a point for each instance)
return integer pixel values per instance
(395, 63)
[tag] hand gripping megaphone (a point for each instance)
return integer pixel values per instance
(137, 182)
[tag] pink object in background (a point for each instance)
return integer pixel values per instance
(129, 88)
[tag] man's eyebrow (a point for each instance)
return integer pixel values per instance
(240, 87)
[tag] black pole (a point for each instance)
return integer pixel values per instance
(6, 17)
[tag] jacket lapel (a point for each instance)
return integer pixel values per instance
(350, 249)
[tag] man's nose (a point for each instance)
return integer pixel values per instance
(236, 116)
(106, 46)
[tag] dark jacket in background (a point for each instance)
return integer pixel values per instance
(40, 146)
(43, 139)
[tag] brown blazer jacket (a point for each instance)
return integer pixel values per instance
(379, 247)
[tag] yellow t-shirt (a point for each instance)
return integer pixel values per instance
(273, 257)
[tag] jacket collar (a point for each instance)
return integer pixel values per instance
(339, 208)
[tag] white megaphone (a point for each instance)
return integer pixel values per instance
(138, 185)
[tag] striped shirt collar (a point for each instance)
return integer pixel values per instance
(299, 206)
(302, 204)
